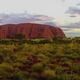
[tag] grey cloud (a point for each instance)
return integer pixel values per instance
(68, 29)
(72, 25)
(78, 4)
(25, 18)
(69, 33)
(74, 10)
(62, 0)
(74, 34)
(65, 29)
(73, 16)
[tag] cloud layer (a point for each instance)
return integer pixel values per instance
(25, 18)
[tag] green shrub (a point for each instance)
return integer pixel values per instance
(6, 70)
(49, 74)
(20, 76)
(38, 67)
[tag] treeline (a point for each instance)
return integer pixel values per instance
(41, 41)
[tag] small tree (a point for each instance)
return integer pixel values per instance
(19, 36)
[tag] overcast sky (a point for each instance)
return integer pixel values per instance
(54, 8)
(63, 11)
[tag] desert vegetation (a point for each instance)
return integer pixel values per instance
(39, 59)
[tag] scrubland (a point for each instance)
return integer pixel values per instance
(56, 59)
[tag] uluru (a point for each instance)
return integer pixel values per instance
(30, 31)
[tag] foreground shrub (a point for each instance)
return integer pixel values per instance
(49, 74)
(38, 67)
(19, 76)
(6, 70)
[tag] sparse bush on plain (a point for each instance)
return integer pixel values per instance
(40, 59)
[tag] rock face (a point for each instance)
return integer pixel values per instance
(30, 31)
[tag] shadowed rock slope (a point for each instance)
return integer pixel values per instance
(30, 31)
